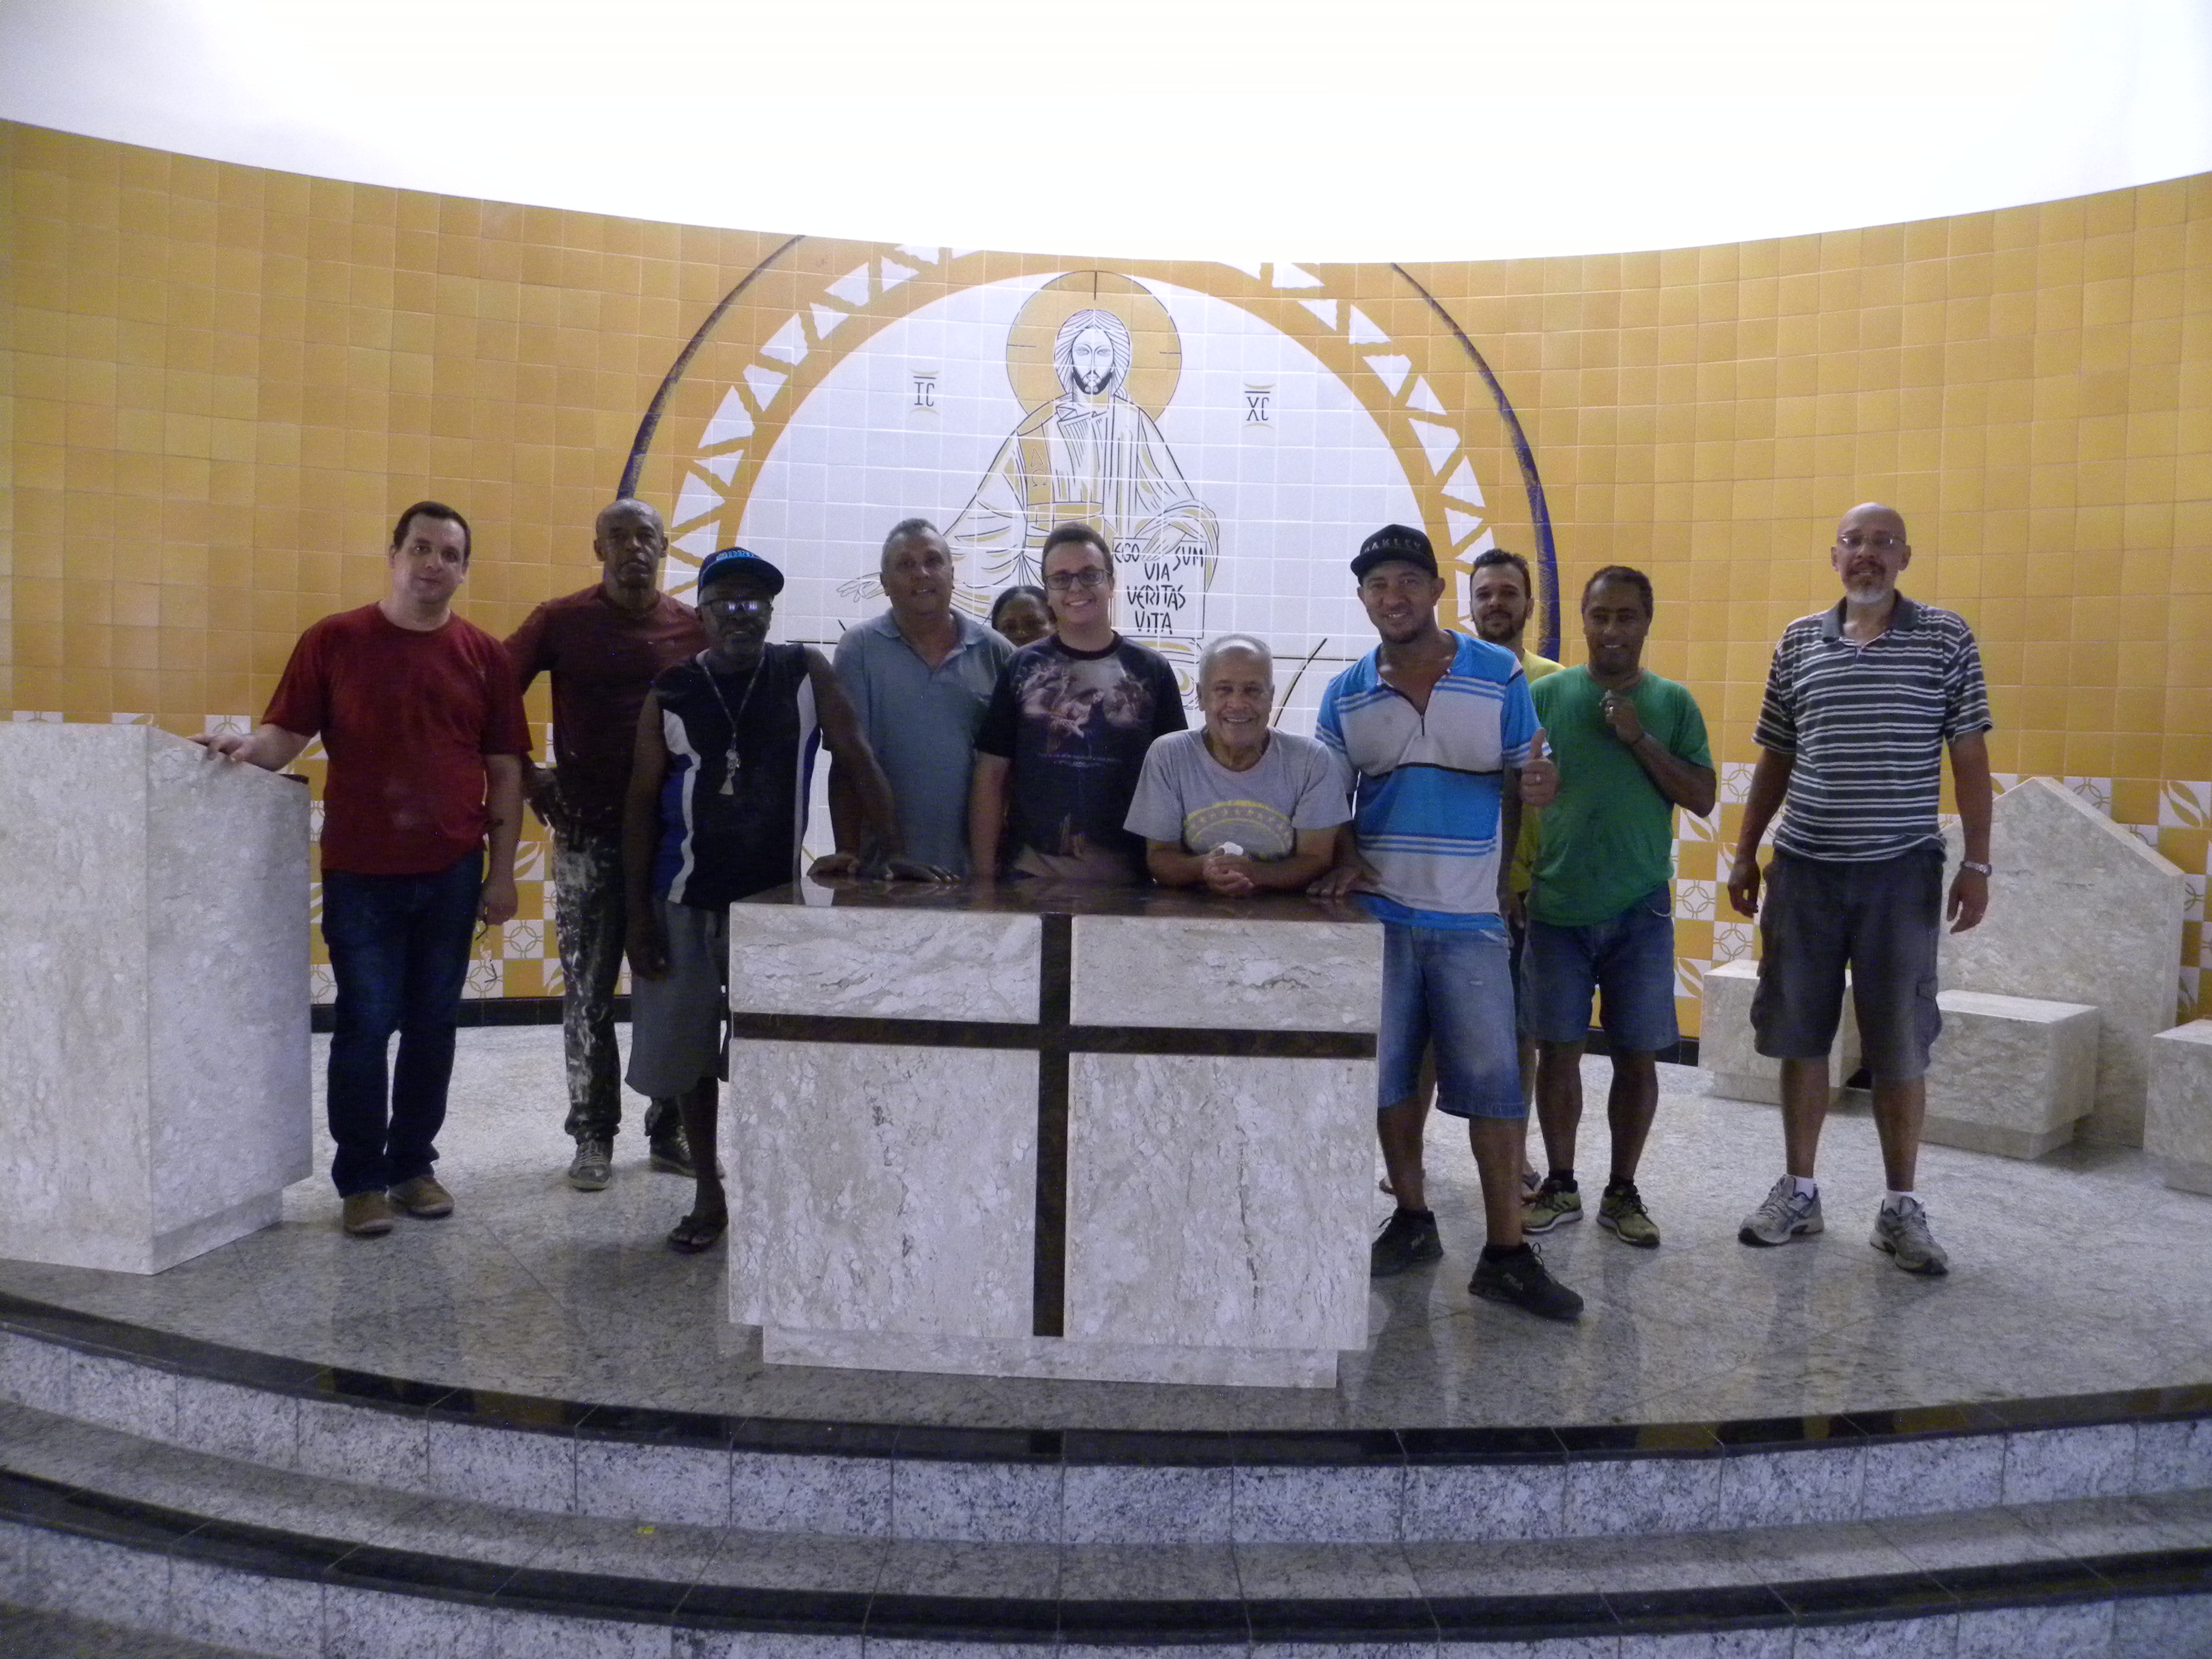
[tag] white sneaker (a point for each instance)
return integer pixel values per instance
(1902, 1234)
(1786, 1214)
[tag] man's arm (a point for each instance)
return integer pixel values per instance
(271, 748)
(1970, 781)
(847, 821)
(1233, 874)
(1770, 783)
(987, 813)
(646, 940)
(879, 841)
(1691, 787)
(503, 815)
(527, 650)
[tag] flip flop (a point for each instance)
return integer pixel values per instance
(696, 1232)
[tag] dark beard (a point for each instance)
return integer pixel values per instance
(1093, 385)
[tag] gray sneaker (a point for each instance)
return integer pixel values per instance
(1902, 1234)
(1785, 1215)
(594, 1166)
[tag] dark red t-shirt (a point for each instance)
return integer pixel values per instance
(603, 663)
(407, 719)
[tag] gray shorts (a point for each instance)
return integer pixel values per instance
(675, 1021)
(1880, 920)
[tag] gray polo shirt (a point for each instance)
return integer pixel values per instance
(920, 722)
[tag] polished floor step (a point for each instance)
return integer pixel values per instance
(1049, 1486)
(28, 1633)
(105, 1525)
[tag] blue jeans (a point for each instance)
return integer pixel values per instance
(399, 951)
(1453, 987)
(1626, 960)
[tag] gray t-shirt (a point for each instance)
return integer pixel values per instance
(920, 721)
(1186, 797)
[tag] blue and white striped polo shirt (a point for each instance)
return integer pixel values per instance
(1426, 786)
(1866, 726)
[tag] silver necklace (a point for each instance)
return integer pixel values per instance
(731, 761)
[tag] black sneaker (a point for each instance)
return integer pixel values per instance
(669, 1156)
(1406, 1239)
(1521, 1279)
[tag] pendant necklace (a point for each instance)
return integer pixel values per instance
(731, 763)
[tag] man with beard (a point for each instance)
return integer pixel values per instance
(1631, 748)
(1435, 731)
(1063, 742)
(601, 645)
(1091, 455)
(1861, 701)
(715, 812)
(920, 677)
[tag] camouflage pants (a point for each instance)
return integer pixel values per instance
(587, 915)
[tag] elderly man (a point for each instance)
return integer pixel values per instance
(920, 677)
(1631, 748)
(1234, 807)
(601, 645)
(418, 712)
(1861, 701)
(715, 811)
(1065, 738)
(1437, 729)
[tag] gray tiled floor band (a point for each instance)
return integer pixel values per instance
(2077, 1274)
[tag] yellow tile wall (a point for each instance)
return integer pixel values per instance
(217, 383)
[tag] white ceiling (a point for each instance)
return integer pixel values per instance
(1406, 130)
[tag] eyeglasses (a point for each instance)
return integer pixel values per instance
(1880, 542)
(737, 607)
(1093, 577)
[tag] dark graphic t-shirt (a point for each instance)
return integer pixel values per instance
(1075, 725)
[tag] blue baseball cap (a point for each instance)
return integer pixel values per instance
(737, 562)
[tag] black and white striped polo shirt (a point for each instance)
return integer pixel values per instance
(1868, 725)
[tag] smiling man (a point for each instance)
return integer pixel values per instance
(1861, 701)
(601, 645)
(1435, 732)
(418, 712)
(920, 677)
(1631, 748)
(1064, 740)
(716, 812)
(1235, 806)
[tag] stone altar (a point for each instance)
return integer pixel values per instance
(2178, 1128)
(2080, 911)
(1037, 1131)
(152, 996)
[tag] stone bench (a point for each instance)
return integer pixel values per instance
(2011, 1075)
(2177, 1127)
(1725, 1045)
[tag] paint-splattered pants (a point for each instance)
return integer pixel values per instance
(587, 914)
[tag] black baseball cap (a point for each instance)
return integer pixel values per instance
(1395, 541)
(737, 562)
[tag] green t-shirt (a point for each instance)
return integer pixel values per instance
(1608, 839)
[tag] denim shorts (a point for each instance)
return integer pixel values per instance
(1627, 962)
(1880, 920)
(1453, 988)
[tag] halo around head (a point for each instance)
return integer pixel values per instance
(1157, 365)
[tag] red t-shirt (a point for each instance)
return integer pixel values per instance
(407, 719)
(603, 663)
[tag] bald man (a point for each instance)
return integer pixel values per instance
(1861, 701)
(603, 645)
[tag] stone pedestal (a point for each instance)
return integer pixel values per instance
(2177, 1127)
(152, 996)
(1107, 1135)
(2080, 911)
(2010, 1075)
(1725, 1044)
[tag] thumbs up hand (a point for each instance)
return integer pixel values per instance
(1539, 777)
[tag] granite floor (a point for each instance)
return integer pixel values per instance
(2076, 1273)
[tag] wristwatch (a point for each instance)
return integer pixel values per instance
(1976, 866)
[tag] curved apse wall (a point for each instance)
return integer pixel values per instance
(225, 379)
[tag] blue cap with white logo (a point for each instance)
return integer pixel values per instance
(737, 562)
